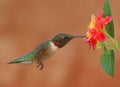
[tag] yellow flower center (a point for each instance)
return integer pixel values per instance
(92, 23)
(88, 35)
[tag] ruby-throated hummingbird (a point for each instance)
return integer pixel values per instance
(45, 50)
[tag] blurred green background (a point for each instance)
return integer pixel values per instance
(24, 24)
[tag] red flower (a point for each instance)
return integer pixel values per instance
(93, 36)
(100, 22)
(96, 32)
(100, 36)
(92, 42)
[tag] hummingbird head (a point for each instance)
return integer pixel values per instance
(62, 39)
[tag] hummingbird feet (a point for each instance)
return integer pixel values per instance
(40, 65)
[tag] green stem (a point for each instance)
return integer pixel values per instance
(109, 36)
(115, 43)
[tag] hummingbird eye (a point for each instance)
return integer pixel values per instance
(66, 38)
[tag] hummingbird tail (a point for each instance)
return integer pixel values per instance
(28, 59)
(20, 62)
(13, 62)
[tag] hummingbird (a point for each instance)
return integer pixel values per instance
(45, 50)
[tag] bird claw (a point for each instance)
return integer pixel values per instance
(41, 66)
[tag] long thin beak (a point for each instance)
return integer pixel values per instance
(82, 36)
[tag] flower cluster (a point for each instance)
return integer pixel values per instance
(96, 29)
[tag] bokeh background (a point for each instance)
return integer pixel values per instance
(24, 24)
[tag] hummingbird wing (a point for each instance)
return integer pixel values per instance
(29, 58)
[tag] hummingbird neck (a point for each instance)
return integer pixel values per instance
(53, 46)
(61, 43)
(57, 44)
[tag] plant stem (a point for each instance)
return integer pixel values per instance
(115, 43)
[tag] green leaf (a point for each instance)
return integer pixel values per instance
(107, 12)
(108, 61)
